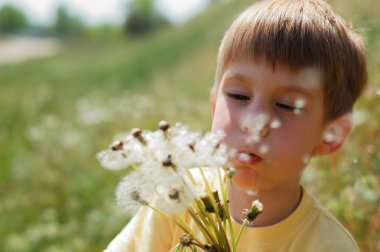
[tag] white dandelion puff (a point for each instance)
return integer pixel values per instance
(113, 160)
(134, 191)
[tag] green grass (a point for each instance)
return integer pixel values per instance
(57, 113)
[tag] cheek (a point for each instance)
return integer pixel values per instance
(294, 144)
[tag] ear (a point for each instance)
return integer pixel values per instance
(213, 99)
(334, 135)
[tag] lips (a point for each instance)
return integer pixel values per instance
(247, 158)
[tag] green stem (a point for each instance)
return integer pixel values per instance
(221, 235)
(240, 231)
(210, 238)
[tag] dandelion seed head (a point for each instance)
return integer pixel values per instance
(255, 210)
(117, 145)
(152, 153)
(113, 160)
(174, 198)
(163, 125)
(133, 191)
(257, 204)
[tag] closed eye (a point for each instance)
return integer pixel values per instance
(240, 97)
(286, 107)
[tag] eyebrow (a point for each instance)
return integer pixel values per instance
(296, 89)
(235, 76)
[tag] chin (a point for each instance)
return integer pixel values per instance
(246, 179)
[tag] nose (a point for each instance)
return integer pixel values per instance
(256, 125)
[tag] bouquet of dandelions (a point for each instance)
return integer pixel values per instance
(162, 180)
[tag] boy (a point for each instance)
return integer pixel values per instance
(288, 74)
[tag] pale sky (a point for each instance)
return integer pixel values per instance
(95, 12)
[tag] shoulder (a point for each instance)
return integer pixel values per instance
(329, 234)
(145, 231)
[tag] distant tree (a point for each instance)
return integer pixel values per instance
(67, 25)
(142, 17)
(12, 19)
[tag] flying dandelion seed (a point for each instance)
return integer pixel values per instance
(244, 157)
(253, 138)
(378, 91)
(263, 149)
(275, 124)
(251, 192)
(328, 137)
(300, 103)
(306, 159)
(297, 111)
(355, 160)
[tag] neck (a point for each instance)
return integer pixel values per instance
(278, 204)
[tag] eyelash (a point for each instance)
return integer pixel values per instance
(239, 97)
(285, 107)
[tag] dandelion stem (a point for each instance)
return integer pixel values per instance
(210, 238)
(241, 231)
(134, 167)
(221, 235)
(232, 233)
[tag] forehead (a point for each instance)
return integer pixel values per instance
(259, 69)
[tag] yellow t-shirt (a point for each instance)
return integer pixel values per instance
(310, 227)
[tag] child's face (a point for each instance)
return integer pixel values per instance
(273, 118)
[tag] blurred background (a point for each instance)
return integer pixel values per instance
(75, 74)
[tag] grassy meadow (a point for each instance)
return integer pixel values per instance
(57, 113)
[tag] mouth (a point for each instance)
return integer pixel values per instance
(247, 158)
